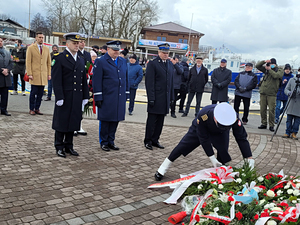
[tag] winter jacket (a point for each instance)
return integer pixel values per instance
(280, 94)
(135, 74)
(197, 81)
(5, 62)
(269, 83)
(19, 67)
(294, 105)
(244, 83)
(177, 79)
(220, 76)
(185, 74)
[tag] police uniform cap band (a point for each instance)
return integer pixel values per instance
(74, 36)
(115, 45)
(164, 47)
(225, 114)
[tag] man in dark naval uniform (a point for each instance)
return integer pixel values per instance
(211, 129)
(159, 88)
(110, 85)
(71, 93)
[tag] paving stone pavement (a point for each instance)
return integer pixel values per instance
(37, 187)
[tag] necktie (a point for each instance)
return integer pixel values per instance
(41, 50)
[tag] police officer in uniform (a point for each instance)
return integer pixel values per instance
(110, 85)
(160, 92)
(211, 129)
(71, 94)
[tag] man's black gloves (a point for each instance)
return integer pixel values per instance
(98, 104)
(151, 103)
(219, 85)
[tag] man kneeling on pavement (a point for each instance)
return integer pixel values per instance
(211, 129)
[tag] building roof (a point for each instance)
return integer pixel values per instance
(12, 22)
(171, 27)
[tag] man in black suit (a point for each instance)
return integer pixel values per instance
(159, 87)
(71, 94)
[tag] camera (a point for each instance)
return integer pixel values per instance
(268, 64)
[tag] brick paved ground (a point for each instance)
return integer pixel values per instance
(37, 187)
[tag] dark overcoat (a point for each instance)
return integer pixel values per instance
(19, 67)
(110, 85)
(159, 85)
(69, 84)
(197, 81)
(222, 76)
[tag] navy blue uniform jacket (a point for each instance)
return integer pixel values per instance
(159, 85)
(207, 129)
(110, 85)
(86, 56)
(69, 84)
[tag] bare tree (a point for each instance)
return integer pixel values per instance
(7, 16)
(38, 23)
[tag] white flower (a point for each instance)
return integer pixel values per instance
(294, 201)
(287, 186)
(290, 191)
(220, 186)
(277, 208)
(271, 222)
(267, 206)
(243, 174)
(298, 185)
(279, 192)
(296, 192)
(239, 204)
(206, 181)
(239, 180)
(281, 198)
(200, 186)
(260, 179)
(262, 201)
(272, 206)
(270, 193)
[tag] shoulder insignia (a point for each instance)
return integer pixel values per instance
(53, 62)
(56, 54)
(204, 117)
(67, 55)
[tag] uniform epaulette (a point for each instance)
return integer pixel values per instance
(56, 54)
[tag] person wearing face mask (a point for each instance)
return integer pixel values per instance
(211, 129)
(244, 83)
(19, 58)
(268, 88)
(220, 79)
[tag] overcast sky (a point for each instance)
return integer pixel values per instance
(257, 29)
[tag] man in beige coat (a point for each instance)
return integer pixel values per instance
(38, 66)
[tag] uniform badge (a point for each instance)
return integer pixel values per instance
(67, 55)
(197, 121)
(204, 117)
(53, 62)
(240, 123)
(56, 54)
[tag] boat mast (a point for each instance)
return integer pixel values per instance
(29, 21)
(190, 33)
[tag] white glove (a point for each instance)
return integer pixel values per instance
(84, 102)
(60, 102)
(214, 161)
(251, 163)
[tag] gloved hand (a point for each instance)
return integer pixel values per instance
(60, 102)
(98, 104)
(219, 85)
(290, 93)
(251, 163)
(84, 102)
(242, 89)
(214, 161)
(151, 103)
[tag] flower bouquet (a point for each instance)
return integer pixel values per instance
(248, 199)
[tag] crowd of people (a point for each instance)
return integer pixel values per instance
(114, 78)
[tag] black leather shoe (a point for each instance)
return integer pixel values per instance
(271, 129)
(72, 152)
(173, 115)
(148, 146)
(184, 115)
(75, 133)
(105, 148)
(82, 132)
(61, 153)
(113, 147)
(158, 176)
(262, 127)
(158, 145)
(48, 99)
(5, 113)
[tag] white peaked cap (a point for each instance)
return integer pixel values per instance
(225, 114)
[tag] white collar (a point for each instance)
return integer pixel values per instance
(82, 51)
(74, 56)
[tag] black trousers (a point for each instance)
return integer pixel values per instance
(154, 125)
(63, 140)
(4, 98)
(182, 96)
(246, 102)
(215, 102)
(16, 76)
(173, 105)
(35, 97)
(190, 99)
(191, 141)
(108, 132)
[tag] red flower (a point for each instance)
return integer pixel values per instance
(230, 198)
(256, 217)
(197, 218)
(204, 205)
(269, 176)
(265, 213)
(230, 193)
(239, 215)
(280, 176)
(262, 186)
(283, 204)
